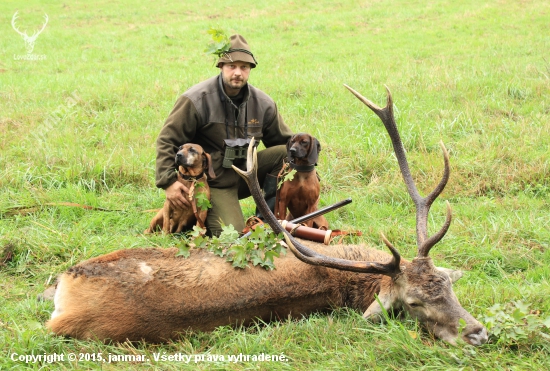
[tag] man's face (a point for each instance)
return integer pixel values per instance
(235, 76)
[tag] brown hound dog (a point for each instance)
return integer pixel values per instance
(193, 164)
(301, 194)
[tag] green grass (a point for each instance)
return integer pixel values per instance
(80, 126)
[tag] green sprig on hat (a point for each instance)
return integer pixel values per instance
(220, 43)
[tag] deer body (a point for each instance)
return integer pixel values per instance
(151, 294)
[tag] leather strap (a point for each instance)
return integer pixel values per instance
(191, 177)
(195, 211)
(302, 168)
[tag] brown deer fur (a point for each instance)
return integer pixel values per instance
(153, 295)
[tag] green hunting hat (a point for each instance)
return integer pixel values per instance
(239, 51)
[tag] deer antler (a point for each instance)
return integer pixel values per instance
(24, 34)
(302, 252)
(13, 19)
(422, 204)
(35, 35)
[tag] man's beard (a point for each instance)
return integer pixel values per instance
(234, 84)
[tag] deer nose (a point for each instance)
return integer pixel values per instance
(476, 336)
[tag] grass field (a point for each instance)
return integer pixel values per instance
(78, 124)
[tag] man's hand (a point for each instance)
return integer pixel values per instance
(176, 194)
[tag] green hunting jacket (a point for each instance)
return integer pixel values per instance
(205, 115)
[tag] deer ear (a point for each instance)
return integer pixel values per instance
(374, 312)
(453, 274)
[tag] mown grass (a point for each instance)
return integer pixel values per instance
(80, 126)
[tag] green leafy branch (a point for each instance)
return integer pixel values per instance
(220, 44)
(515, 324)
(261, 247)
(203, 202)
(286, 176)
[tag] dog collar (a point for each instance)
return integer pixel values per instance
(302, 168)
(191, 177)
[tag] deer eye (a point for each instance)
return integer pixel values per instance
(414, 304)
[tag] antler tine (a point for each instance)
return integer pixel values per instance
(422, 204)
(393, 250)
(251, 180)
(342, 264)
(386, 116)
(424, 249)
(444, 179)
(302, 252)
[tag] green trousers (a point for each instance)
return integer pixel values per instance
(226, 209)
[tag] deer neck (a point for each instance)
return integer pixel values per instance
(357, 290)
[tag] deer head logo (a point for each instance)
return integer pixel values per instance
(29, 40)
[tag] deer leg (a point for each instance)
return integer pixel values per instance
(384, 301)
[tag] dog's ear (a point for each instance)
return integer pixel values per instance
(207, 164)
(314, 149)
(288, 145)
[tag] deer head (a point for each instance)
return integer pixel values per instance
(29, 40)
(417, 286)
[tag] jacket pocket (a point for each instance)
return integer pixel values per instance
(255, 129)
